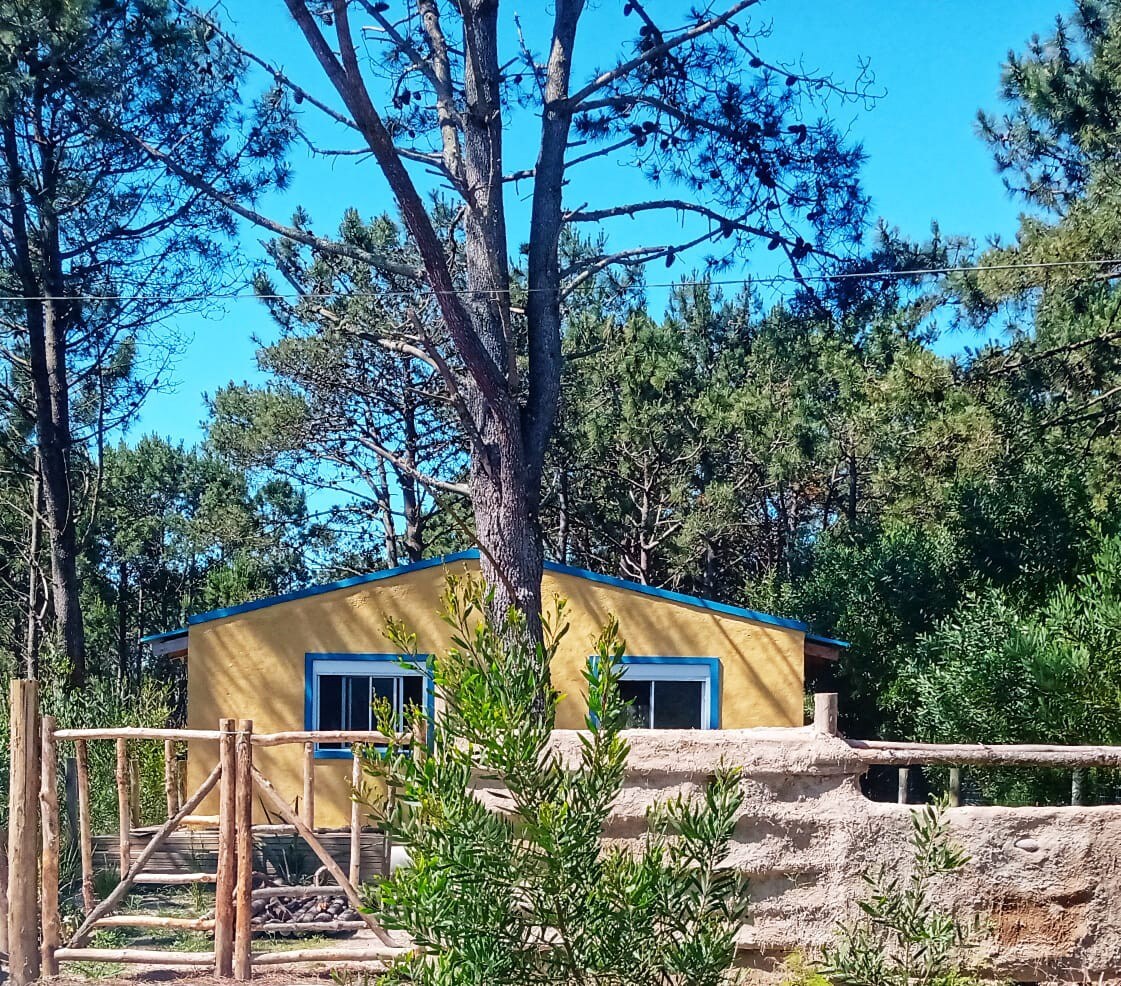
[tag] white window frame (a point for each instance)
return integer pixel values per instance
(638, 668)
(369, 667)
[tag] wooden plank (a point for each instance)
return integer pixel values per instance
(196, 850)
(355, 870)
(333, 955)
(227, 854)
(170, 777)
(273, 927)
(309, 785)
(263, 893)
(23, 834)
(135, 955)
(983, 755)
(904, 784)
(271, 795)
(50, 920)
(320, 736)
(155, 921)
(172, 879)
(955, 787)
(243, 894)
(124, 811)
(137, 733)
(85, 838)
(134, 874)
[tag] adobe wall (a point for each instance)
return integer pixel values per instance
(1046, 880)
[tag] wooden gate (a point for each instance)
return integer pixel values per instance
(34, 926)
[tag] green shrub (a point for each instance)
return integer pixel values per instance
(904, 937)
(103, 704)
(518, 888)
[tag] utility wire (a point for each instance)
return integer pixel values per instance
(766, 279)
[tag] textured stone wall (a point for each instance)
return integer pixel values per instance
(1047, 881)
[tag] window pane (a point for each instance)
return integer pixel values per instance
(330, 702)
(329, 712)
(412, 687)
(677, 704)
(637, 694)
(358, 702)
(384, 688)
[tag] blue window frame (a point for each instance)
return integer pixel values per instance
(672, 692)
(340, 688)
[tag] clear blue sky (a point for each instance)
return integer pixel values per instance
(938, 61)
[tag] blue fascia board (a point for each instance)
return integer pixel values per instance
(678, 597)
(816, 638)
(155, 638)
(472, 554)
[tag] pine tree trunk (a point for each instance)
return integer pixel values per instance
(47, 350)
(505, 500)
(32, 640)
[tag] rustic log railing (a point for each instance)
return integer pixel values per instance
(34, 929)
(34, 902)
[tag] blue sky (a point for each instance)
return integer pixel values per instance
(938, 61)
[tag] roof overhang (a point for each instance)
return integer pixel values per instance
(170, 644)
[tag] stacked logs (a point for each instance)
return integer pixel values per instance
(320, 914)
(292, 911)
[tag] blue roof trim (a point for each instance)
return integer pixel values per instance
(678, 597)
(316, 590)
(472, 554)
(155, 638)
(827, 641)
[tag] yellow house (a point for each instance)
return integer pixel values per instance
(314, 659)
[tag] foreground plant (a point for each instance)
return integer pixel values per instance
(905, 938)
(508, 882)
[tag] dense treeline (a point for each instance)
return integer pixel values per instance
(923, 465)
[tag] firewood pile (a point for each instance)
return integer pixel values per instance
(302, 910)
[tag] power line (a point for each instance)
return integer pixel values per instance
(766, 279)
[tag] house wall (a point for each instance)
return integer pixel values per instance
(251, 665)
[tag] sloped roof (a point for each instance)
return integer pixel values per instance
(473, 555)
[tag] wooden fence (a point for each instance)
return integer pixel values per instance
(35, 939)
(34, 928)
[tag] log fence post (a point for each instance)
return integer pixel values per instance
(955, 787)
(355, 870)
(309, 786)
(70, 788)
(904, 784)
(48, 895)
(85, 834)
(124, 811)
(23, 834)
(170, 777)
(825, 713)
(243, 913)
(227, 853)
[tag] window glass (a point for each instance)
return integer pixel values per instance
(358, 701)
(636, 694)
(344, 700)
(330, 701)
(678, 704)
(412, 687)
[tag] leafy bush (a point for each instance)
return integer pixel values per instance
(508, 881)
(904, 938)
(103, 704)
